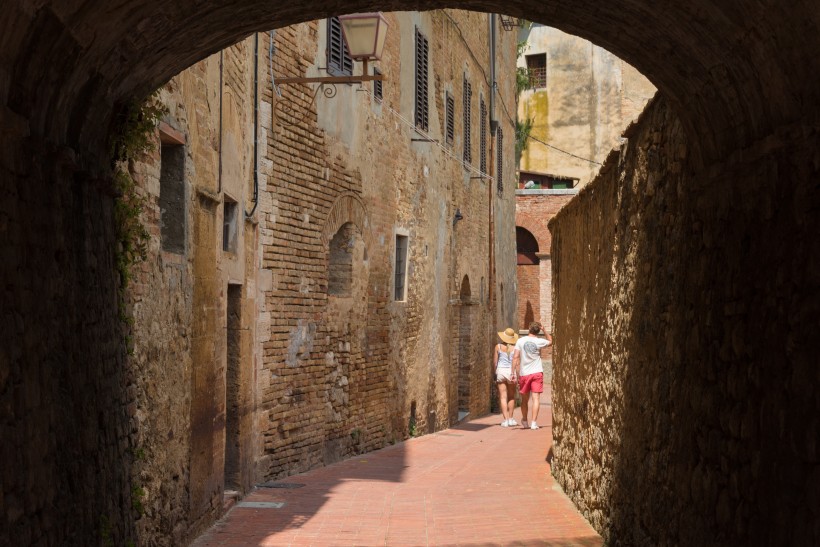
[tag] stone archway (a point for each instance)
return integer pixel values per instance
(740, 79)
(69, 66)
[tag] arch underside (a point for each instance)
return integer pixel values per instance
(734, 70)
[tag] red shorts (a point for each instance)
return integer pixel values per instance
(531, 382)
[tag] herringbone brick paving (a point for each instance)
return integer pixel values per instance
(474, 484)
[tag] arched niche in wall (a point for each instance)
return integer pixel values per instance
(345, 237)
(348, 207)
(342, 255)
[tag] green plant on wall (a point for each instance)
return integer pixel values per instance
(523, 128)
(133, 139)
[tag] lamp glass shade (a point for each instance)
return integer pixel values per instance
(364, 34)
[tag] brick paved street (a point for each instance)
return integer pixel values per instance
(474, 484)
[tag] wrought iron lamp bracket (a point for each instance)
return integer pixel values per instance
(327, 86)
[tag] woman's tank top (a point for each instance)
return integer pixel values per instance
(504, 358)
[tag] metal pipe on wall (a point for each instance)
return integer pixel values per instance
(221, 72)
(491, 292)
(255, 125)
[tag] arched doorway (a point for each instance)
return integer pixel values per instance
(465, 346)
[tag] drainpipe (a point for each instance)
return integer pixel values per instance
(255, 125)
(493, 82)
(490, 187)
(219, 172)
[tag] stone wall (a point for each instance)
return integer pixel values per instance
(686, 385)
(65, 402)
(193, 313)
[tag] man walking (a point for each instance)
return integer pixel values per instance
(529, 370)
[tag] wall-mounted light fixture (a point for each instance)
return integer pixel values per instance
(458, 216)
(364, 35)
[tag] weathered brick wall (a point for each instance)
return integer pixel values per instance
(686, 386)
(529, 295)
(533, 211)
(341, 374)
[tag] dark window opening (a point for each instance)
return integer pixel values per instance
(339, 62)
(422, 106)
(468, 100)
(412, 425)
(400, 293)
(229, 225)
(172, 198)
(537, 70)
(232, 387)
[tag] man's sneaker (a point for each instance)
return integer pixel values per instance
(505, 423)
(533, 425)
(512, 422)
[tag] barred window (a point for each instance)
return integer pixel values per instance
(422, 103)
(468, 100)
(339, 62)
(537, 70)
(451, 119)
(499, 173)
(482, 136)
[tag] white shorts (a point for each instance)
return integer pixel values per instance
(503, 375)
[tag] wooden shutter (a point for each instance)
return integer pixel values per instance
(377, 85)
(339, 62)
(468, 100)
(482, 136)
(451, 119)
(422, 114)
(499, 144)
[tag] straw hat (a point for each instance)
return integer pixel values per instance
(509, 336)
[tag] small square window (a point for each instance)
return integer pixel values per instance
(229, 222)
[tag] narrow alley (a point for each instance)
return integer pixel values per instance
(474, 484)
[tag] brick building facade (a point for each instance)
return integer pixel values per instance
(319, 282)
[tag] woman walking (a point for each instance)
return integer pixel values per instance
(504, 378)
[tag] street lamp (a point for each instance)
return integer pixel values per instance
(365, 34)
